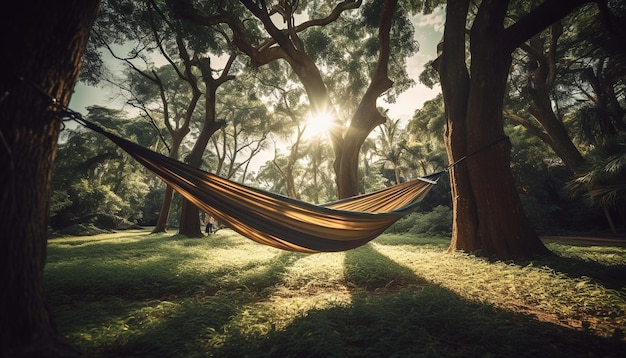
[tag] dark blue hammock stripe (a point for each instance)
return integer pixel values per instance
(277, 220)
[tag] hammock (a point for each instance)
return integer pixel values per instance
(277, 220)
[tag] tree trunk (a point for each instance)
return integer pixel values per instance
(168, 194)
(43, 42)
(367, 117)
(488, 215)
(190, 214)
(541, 82)
(558, 139)
(164, 212)
(455, 88)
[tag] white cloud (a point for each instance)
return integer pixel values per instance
(435, 20)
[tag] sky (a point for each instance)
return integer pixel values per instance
(428, 32)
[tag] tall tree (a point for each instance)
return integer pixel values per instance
(288, 44)
(488, 216)
(188, 52)
(46, 47)
(571, 73)
(392, 146)
(543, 58)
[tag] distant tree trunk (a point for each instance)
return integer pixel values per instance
(190, 214)
(541, 82)
(488, 215)
(43, 42)
(166, 204)
(164, 211)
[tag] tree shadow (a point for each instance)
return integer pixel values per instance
(609, 275)
(428, 321)
(200, 309)
(366, 269)
(182, 332)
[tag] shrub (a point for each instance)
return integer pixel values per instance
(437, 222)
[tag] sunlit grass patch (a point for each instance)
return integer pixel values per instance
(405, 239)
(312, 273)
(601, 254)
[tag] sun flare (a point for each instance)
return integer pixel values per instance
(318, 124)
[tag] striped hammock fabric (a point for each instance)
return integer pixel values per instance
(280, 221)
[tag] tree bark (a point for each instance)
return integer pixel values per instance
(367, 117)
(44, 43)
(488, 215)
(455, 89)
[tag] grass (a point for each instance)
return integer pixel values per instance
(135, 294)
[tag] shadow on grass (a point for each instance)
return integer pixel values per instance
(418, 322)
(395, 313)
(264, 281)
(609, 274)
(152, 267)
(613, 276)
(179, 332)
(366, 269)
(166, 317)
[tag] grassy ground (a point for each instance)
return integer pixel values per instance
(132, 294)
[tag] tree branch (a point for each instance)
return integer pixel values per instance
(537, 20)
(529, 126)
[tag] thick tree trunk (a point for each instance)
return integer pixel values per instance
(455, 88)
(488, 215)
(43, 43)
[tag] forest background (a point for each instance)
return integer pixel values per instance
(266, 137)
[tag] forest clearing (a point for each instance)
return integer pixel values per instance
(133, 293)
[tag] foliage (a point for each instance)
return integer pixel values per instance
(257, 106)
(425, 145)
(602, 179)
(244, 130)
(437, 222)
(92, 176)
(162, 295)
